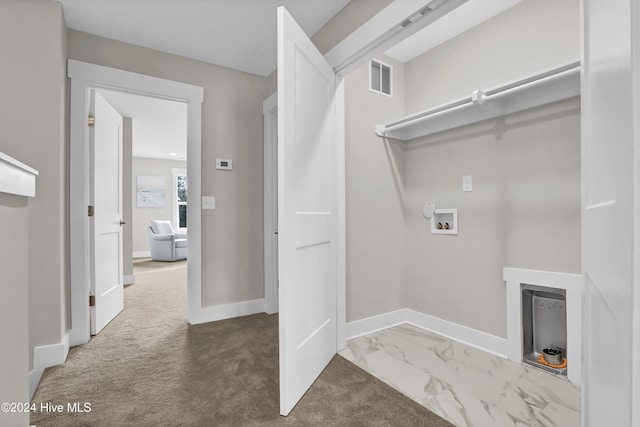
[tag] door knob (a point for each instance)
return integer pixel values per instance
(122, 222)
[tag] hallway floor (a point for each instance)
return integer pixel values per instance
(464, 385)
(149, 367)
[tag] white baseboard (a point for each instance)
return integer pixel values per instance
(129, 279)
(469, 336)
(377, 323)
(34, 380)
(46, 356)
(227, 311)
(141, 254)
(473, 337)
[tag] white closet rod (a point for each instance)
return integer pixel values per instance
(485, 99)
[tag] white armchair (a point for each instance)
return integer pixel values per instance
(165, 245)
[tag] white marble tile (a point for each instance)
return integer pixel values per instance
(402, 376)
(475, 382)
(465, 385)
(558, 415)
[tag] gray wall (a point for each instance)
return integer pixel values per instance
(524, 210)
(143, 166)
(375, 208)
(14, 305)
(32, 114)
(531, 37)
(232, 248)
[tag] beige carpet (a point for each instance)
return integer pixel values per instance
(148, 367)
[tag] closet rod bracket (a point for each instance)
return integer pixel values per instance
(478, 97)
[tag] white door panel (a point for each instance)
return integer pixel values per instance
(607, 220)
(106, 197)
(307, 203)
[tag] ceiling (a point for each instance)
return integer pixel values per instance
(239, 34)
(159, 126)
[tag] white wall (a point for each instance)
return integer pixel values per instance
(32, 119)
(141, 217)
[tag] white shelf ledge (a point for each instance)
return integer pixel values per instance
(16, 177)
(544, 88)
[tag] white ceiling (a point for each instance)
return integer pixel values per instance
(239, 34)
(159, 126)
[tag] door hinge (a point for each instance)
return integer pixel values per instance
(90, 210)
(92, 120)
(92, 301)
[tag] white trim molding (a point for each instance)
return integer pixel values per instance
(369, 325)
(141, 254)
(16, 177)
(46, 356)
(490, 343)
(573, 284)
(129, 279)
(227, 311)
(34, 381)
(85, 76)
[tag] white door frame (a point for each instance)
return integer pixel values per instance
(270, 113)
(610, 192)
(83, 77)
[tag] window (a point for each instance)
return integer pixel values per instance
(180, 193)
(380, 77)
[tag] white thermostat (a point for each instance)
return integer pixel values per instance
(224, 164)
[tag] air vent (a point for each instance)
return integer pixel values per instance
(380, 75)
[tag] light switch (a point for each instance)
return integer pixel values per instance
(208, 202)
(467, 183)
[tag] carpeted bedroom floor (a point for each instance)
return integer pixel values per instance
(148, 367)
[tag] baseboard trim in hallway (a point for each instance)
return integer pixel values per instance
(227, 311)
(47, 356)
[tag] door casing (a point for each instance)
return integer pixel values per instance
(85, 76)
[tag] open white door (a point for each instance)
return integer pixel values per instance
(107, 293)
(307, 204)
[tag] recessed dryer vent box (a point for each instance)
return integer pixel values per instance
(445, 221)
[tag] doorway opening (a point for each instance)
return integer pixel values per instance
(154, 183)
(86, 76)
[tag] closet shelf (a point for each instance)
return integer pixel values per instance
(16, 177)
(553, 85)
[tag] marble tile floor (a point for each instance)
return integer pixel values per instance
(465, 385)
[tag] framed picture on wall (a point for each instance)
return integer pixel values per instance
(150, 191)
